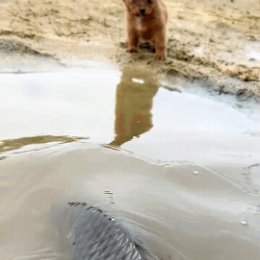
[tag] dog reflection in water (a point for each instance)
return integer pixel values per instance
(134, 101)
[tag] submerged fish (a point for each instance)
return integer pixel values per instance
(98, 236)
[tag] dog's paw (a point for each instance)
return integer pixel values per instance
(132, 50)
(160, 56)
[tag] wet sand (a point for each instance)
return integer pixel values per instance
(182, 177)
(215, 41)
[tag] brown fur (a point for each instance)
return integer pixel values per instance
(146, 20)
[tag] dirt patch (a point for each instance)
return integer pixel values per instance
(208, 40)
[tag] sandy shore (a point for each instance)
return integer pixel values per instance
(214, 41)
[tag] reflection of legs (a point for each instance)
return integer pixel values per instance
(123, 134)
(133, 106)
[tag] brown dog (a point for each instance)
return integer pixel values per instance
(146, 20)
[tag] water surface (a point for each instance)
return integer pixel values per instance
(180, 168)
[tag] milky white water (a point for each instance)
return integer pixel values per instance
(181, 170)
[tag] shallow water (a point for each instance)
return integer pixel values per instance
(180, 168)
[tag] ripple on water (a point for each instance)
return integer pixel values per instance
(167, 207)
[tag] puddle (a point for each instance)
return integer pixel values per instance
(179, 168)
(254, 55)
(253, 52)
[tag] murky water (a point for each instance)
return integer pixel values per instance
(182, 170)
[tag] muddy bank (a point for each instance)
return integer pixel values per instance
(214, 41)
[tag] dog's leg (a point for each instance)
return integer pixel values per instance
(132, 39)
(160, 45)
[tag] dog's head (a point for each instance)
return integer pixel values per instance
(140, 7)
